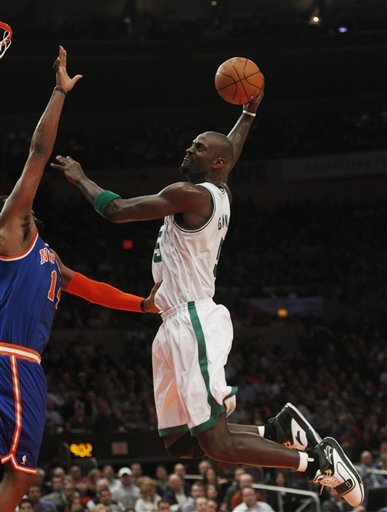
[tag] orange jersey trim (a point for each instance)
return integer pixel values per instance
(8, 349)
(18, 423)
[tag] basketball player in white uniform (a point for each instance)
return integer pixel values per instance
(191, 347)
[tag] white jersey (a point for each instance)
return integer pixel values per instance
(185, 260)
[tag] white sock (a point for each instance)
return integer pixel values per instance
(303, 464)
(261, 430)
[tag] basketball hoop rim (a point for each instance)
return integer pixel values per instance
(7, 30)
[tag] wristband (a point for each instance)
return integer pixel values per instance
(102, 201)
(252, 114)
(57, 88)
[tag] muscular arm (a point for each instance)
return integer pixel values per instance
(180, 197)
(104, 294)
(240, 130)
(15, 217)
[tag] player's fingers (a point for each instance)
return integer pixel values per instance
(76, 79)
(60, 158)
(57, 166)
(63, 56)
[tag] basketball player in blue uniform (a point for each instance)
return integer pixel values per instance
(31, 279)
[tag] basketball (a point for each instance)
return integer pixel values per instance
(237, 79)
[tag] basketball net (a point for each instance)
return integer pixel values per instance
(6, 41)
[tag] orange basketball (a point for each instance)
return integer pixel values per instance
(237, 79)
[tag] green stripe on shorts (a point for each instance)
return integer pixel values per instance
(173, 430)
(216, 408)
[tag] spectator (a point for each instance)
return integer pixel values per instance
(212, 506)
(250, 503)
(80, 422)
(335, 503)
(69, 491)
(35, 495)
(92, 478)
(234, 487)
(103, 422)
(210, 477)
(76, 475)
(203, 466)
(367, 465)
(106, 499)
(175, 493)
(76, 505)
(180, 470)
(245, 480)
(148, 500)
(101, 508)
(127, 493)
(212, 493)
(197, 491)
(163, 506)
(57, 495)
(108, 473)
(52, 413)
(161, 480)
(25, 505)
(136, 469)
(279, 499)
(201, 504)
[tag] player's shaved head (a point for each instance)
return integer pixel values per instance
(222, 143)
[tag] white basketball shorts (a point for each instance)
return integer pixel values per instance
(188, 355)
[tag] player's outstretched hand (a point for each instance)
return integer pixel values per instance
(255, 101)
(70, 168)
(62, 78)
(149, 302)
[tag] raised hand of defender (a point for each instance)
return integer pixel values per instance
(62, 78)
(70, 168)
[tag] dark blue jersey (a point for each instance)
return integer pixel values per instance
(29, 296)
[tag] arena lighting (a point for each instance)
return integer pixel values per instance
(127, 245)
(315, 15)
(342, 30)
(214, 3)
(314, 19)
(282, 313)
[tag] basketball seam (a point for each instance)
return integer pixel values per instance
(235, 82)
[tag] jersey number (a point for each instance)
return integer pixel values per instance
(157, 253)
(51, 291)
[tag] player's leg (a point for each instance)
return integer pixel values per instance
(289, 427)
(183, 446)
(326, 464)
(246, 448)
(13, 486)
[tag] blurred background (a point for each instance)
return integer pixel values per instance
(303, 270)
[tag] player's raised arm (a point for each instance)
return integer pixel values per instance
(239, 132)
(179, 197)
(16, 217)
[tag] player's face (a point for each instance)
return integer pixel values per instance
(198, 159)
